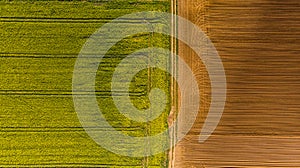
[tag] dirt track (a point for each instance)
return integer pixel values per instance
(259, 43)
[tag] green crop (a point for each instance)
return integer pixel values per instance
(39, 44)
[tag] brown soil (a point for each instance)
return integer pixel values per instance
(259, 43)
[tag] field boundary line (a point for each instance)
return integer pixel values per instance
(173, 88)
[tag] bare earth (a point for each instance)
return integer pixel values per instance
(259, 43)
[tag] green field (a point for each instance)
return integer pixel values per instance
(39, 44)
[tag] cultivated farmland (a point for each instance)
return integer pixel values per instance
(39, 44)
(258, 42)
